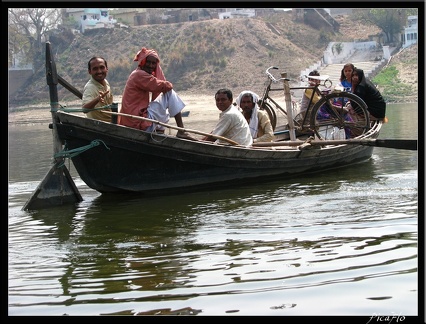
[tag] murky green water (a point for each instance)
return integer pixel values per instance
(339, 243)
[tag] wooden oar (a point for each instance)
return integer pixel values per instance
(403, 144)
(174, 127)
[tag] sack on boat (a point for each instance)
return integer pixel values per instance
(332, 133)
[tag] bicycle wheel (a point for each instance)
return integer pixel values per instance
(271, 112)
(330, 121)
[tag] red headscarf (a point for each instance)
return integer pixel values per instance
(141, 58)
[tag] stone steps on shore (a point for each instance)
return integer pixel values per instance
(334, 70)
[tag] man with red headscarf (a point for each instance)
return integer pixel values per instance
(148, 78)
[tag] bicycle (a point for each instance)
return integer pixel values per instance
(327, 117)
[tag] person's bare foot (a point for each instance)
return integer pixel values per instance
(185, 135)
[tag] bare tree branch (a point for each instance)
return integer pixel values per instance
(29, 29)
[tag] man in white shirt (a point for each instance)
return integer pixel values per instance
(232, 123)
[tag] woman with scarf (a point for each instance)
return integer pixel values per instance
(368, 92)
(146, 79)
(258, 120)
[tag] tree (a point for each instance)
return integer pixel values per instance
(18, 44)
(390, 21)
(28, 30)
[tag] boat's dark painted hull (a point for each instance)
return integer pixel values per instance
(131, 160)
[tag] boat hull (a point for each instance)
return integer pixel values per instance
(115, 158)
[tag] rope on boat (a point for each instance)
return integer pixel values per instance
(65, 153)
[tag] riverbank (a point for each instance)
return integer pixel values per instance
(203, 113)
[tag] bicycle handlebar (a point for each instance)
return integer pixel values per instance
(325, 85)
(323, 79)
(271, 77)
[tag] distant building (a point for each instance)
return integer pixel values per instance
(129, 16)
(96, 18)
(18, 62)
(74, 13)
(237, 13)
(409, 37)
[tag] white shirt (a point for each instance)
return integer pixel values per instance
(233, 126)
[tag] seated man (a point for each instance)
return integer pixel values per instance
(97, 91)
(232, 123)
(148, 78)
(258, 120)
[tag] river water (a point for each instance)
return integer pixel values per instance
(343, 242)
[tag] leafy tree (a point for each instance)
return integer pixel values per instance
(18, 43)
(28, 30)
(390, 21)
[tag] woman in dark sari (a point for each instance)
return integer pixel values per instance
(368, 92)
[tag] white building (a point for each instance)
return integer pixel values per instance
(237, 13)
(409, 37)
(96, 18)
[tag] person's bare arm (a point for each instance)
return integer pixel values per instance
(100, 98)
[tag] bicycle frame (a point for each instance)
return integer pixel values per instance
(329, 112)
(266, 96)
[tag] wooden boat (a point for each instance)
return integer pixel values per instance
(115, 158)
(112, 158)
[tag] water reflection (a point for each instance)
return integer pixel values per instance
(238, 242)
(319, 244)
